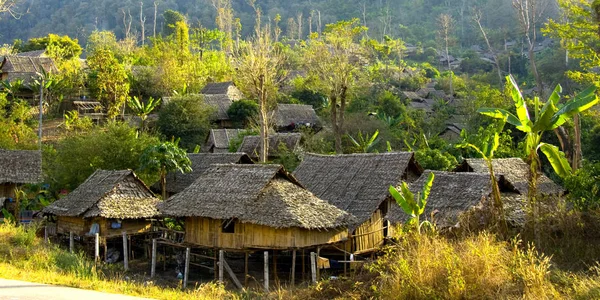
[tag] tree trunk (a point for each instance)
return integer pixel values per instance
(264, 138)
(163, 182)
(536, 75)
(343, 95)
(576, 163)
(334, 122)
(498, 205)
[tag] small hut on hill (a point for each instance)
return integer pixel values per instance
(288, 117)
(219, 139)
(254, 207)
(515, 171)
(251, 144)
(227, 88)
(117, 201)
(455, 197)
(17, 167)
(359, 184)
(221, 103)
(452, 132)
(25, 67)
(177, 182)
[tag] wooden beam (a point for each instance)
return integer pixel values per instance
(293, 280)
(232, 275)
(318, 257)
(313, 267)
(187, 267)
(125, 252)
(221, 259)
(266, 271)
(71, 242)
(153, 268)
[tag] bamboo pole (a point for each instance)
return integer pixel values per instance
(71, 242)
(345, 260)
(275, 267)
(293, 280)
(153, 268)
(45, 234)
(266, 270)
(125, 252)
(303, 266)
(313, 267)
(246, 269)
(187, 267)
(221, 258)
(215, 263)
(317, 261)
(97, 247)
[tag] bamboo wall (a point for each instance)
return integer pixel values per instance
(369, 235)
(81, 226)
(7, 190)
(207, 233)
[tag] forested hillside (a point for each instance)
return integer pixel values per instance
(413, 21)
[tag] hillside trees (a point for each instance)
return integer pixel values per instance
(108, 80)
(186, 118)
(334, 61)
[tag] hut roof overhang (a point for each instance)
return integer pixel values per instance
(25, 67)
(177, 182)
(20, 166)
(221, 138)
(515, 171)
(355, 183)
(295, 114)
(217, 88)
(258, 194)
(221, 103)
(108, 194)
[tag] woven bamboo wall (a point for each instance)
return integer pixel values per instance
(369, 235)
(76, 225)
(130, 226)
(81, 226)
(7, 190)
(207, 232)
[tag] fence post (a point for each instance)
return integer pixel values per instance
(187, 267)
(153, 267)
(125, 252)
(221, 259)
(71, 242)
(97, 247)
(313, 267)
(266, 267)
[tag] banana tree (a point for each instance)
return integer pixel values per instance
(364, 143)
(546, 117)
(411, 204)
(142, 110)
(164, 158)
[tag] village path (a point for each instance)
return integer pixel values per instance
(22, 290)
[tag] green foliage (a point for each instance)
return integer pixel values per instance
(171, 18)
(242, 111)
(142, 109)
(108, 80)
(164, 158)
(411, 205)
(584, 187)
(390, 105)
(74, 158)
(58, 47)
(186, 118)
(235, 143)
(15, 131)
(306, 96)
(73, 122)
(288, 159)
(364, 143)
(436, 159)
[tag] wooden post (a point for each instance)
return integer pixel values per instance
(313, 267)
(71, 242)
(187, 267)
(97, 247)
(246, 269)
(215, 264)
(164, 258)
(153, 268)
(105, 242)
(125, 252)
(266, 270)
(275, 267)
(293, 280)
(232, 275)
(303, 266)
(317, 263)
(46, 234)
(345, 260)
(221, 258)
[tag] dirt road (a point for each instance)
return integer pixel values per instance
(22, 290)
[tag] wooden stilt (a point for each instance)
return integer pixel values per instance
(153, 268)
(45, 234)
(275, 267)
(317, 260)
(187, 267)
(221, 258)
(303, 266)
(313, 267)
(266, 270)
(71, 242)
(293, 279)
(164, 258)
(345, 260)
(105, 242)
(215, 263)
(125, 252)
(246, 269)
(97, 247)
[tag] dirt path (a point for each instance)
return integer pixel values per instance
(22, 290)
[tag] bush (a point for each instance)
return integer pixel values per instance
(584, 187)
(186, 118)
(242, 111)
(435, 159)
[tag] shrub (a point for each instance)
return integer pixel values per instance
(187, 118)
(242, 111)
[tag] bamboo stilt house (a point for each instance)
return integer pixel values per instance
(177, 182)
(18, 167)
(359, 184)
(458, 199)
(516, 173)
(288, 117)
(116, 201)
(242, 207)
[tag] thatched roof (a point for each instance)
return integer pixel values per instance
(451, 195)
(217, 88)
(25, 67)
(218, 140)
(20, 166)
(177, 182)
(108, 194)
(221, 103)
(34, 53)
(515, 170)
(411, 95)
(295, 115)
(251, 144)
(356, 183)
(257, 194)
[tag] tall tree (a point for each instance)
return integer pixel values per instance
(171, 18)
(164, 158)
(445, 23)
(333, 59)
(224, 21)
(109, 80)
(260, 71)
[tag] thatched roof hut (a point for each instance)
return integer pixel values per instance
(452, 195)
(251, 144)
(410, 96)
(219, 139)
(177, 182)
(358, 184)
(260, 200)
(25, 67)
(227, 88)
(221, 103)
(20, 166)
(105, 195)
(290, 116)
(452, 131)
(515, 170)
